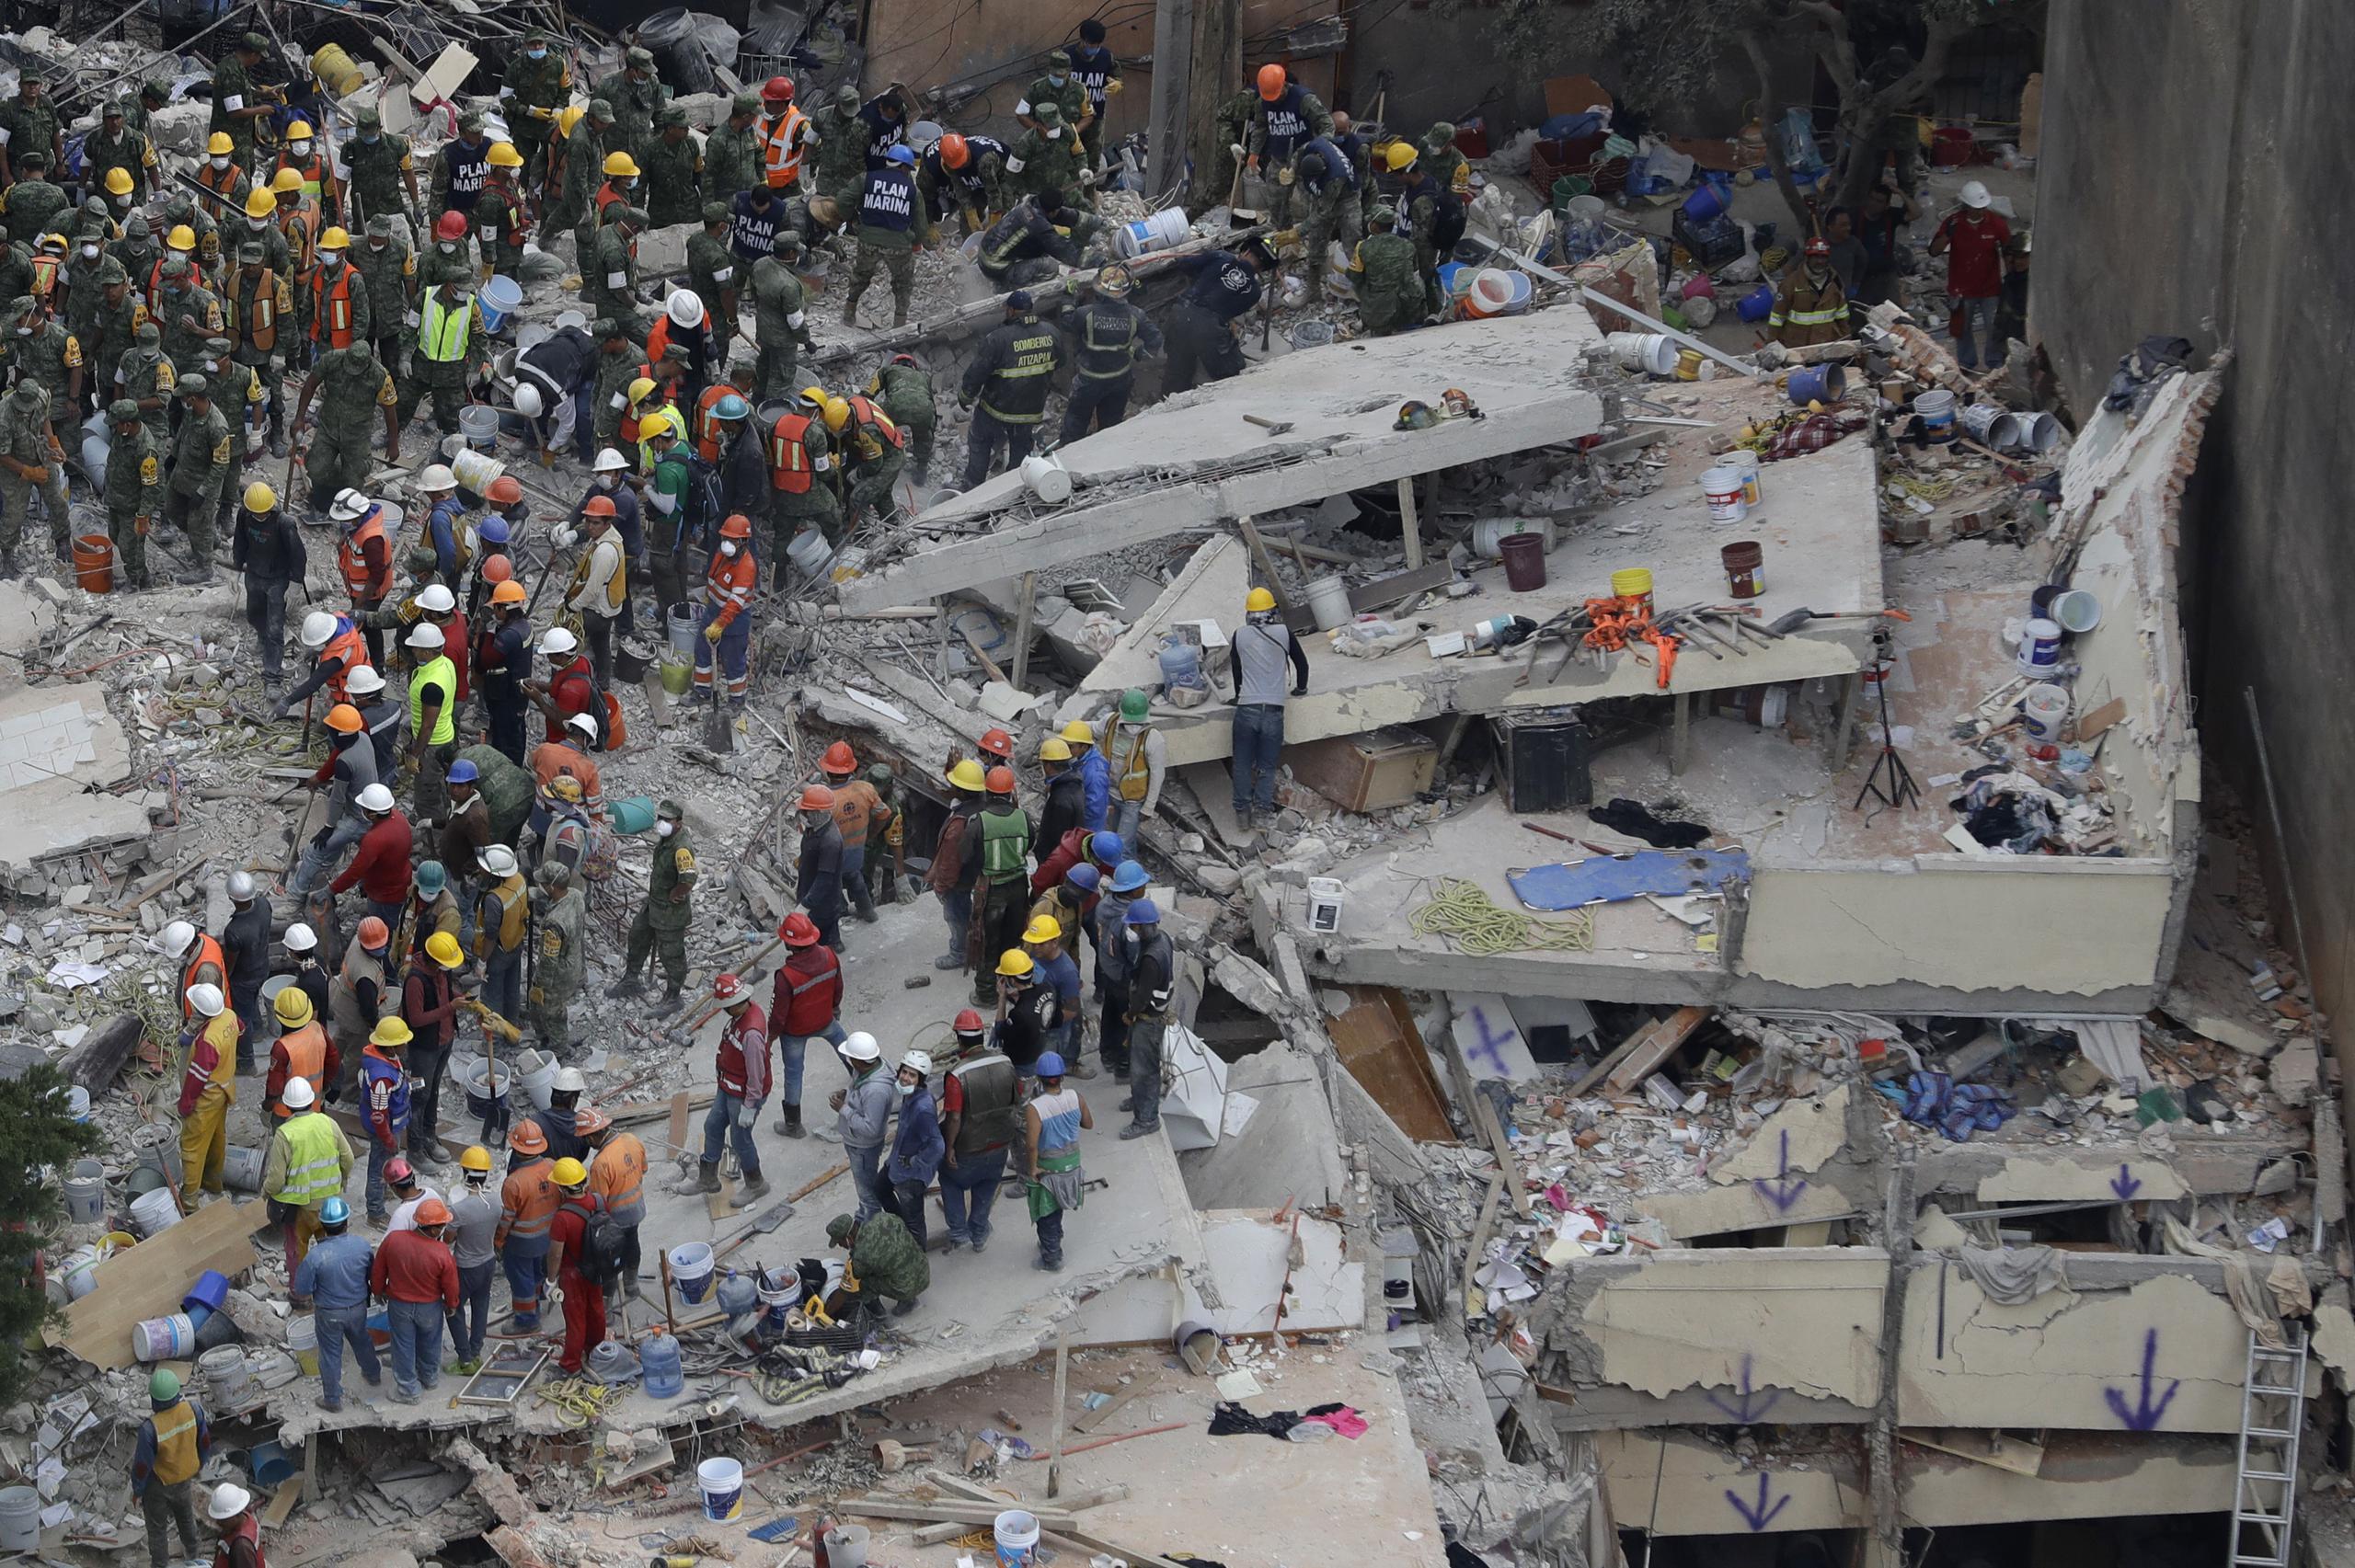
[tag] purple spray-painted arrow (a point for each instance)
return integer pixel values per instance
(1747, 1413)
(2124, 1184)
(2143, 1415)
(1785, 1189)
(1758, 1515)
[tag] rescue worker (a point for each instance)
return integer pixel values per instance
(201, 454)
(1097, 70)
(537, 86)
(31, 462)
(1225, 286)
(1257, 657)
(202, 963)
(502, 222)
(1445, 162)
(474, 1224)
(430, 997)
(884, 1261)
(257, 303)
(801, 465)
(1045, 158)
(1038, 236)
(308, 156)
(451, 349)
(338, 459)
(599, 588)
(1150, 966)
(309, 1158)
(208, 1088)
(1053, 1182)
(384, 1100)
(711, 278)
(237, 395)
(451, 258)
(860, 817)
(916, 1145)
(1064, 807)
(1007, 385)
(465, 163)
(731, 152)
(1287, 117)
(173, 1444)
(561, 914)
(617, 1176)
(965, 174)
(580, 1273)
(1810, 304)
(432, 720)
(955, 863)
(1325, 186)
(585, 146)
(30, 205)
(781, 139)
(871, 448)
(685, 325)
(740, 1086)
(502, 920)
(1389, 286)
(978, 1118)
(238, 104)
(383, 171)
(114, 146)
(1001, 894)
(902, 388)
(841, 140)
(1430, 216)
(660, 925)
(635, 92)
(889, 233)
(1136, 757)
(610, 275)
(244, 948)
(727, 617)
(1106, 335)
(387, 268)
(418, 1277)
(358, 998)
(46, 352)
(673, 169)
(133, 494)
(527, 1201)
(780, 321)
(818, 872)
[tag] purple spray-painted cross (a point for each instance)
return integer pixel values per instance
(1488, 1055)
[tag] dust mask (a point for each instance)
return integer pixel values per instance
(258, 224)
(903, 1090)
(664, 830)
(369, 138)
(300, 149)
(447, 247)
(91, 252)
(23, 331)
(728, 548)
(220, 160)
(1054, 133)
(536, 53)
(608, 481)
(122, 203)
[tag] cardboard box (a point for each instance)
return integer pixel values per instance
(1366, 773)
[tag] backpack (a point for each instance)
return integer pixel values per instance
(603, 856)
(600, 1240)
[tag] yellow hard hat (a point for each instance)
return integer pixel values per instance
(299, 131)
(219, 143)
(1052, 749)
(1076, 733)
(285, 180)
(1013, 961)
(476, 1158)
(260, 497)
(814, 396)
(1401, 156)
(967, 774)
(293, 1007)
(641, 387)
(334, 239)
(565, 119)
(390, 1031)
(1258, 599)
(182, 237)
(620, 164)
(259, 203)
(1043, 928)
(655, 424)
(503, 156)
(119, 182)
(837, 414)
(569, 1172)
(442, 948)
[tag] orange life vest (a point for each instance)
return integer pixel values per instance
(208, 951)
(262, 330)
(788, 458)
(222, 183)
(365, 585)
(781, 146)
(707, 423)
(307, 1058)
(331, 312)
(353, 649)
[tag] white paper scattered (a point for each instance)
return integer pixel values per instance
(2270, 1234)
(1238, 1385)
(73, 976)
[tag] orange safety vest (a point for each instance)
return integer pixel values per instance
(660, 339)
(316, 175)
(364, 585)
(155, 285)
(301, 227)
(781, 146)
(307, 1058)
(867, 413)
(617, 1174)
(207, 952)
(629, 415)
(263, 331)
(606, 197)
(222, 183)
(44, 274)
(707, 423)
(331, 312)
(353, 649)
(788, 458)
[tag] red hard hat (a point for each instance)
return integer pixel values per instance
(399, 1170)
(505, 490)
(726, 988)
(953, 150)
(998, 743)
(1000, 781)
(737, 526)
(839, 759)
(372, 932)
(1818, 248)
(799, 930)
(598, 506)
(450, 225)
(1271, 82)
(817, 798)
(497, 569)
(777, 89)
(967, 1023)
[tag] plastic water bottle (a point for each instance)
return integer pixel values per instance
(1182, 662)
(658, 1358)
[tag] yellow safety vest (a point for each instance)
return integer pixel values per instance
(176, 1456)
(441, 334)
(437, 671)
(1133, 770)
(314, 1162)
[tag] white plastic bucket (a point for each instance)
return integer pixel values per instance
(809, 553)
(1325, 897)
(171, 1338)
(539, 1078)
(153, 1213)
(1991, 426)
(1017, 1538)
(19, 1520)
(303, 1342)
(241, 1168)
(2077, 610)
(1653, 353)
(1165, 228)
(86, 1192)
(478, 422)
(1936, 409)
(1329, 601)
(1489, 532)
(1048, 478)
(1745, 462)
(476, 471)
(723, 1484)
(691, 1266)
(2047, 709)
(1723, 489)
(846, 1545)
(1492, 293)
(2039, 646)
(76, 1271)
(225, 1373)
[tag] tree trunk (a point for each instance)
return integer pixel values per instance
(1868, 120)
(1218, 73)
(1770, 112)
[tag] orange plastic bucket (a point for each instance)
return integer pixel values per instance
(94, 562)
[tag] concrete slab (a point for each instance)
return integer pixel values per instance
(60, 748)
(1289, 1150)
(1192, 460)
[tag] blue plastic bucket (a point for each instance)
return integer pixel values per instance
(1757, 304)
(211, 1290)
(1814, 384)
(499, 298)
(1705, 202)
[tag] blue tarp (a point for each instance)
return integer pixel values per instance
(1609, 879)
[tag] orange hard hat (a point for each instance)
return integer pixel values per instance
(737, 526)
(799, 930)
(527, 1138)
(432, 1211)
(504, 490)
(1271, 82)
(508, 591)
(344, 719)
(589, 1121)
(817, 798)
(998, 743)
(598, 506)
(497, 569)
(839, 759)
(1001, 780)
(953, 150)
(777, 89)
(372, 932)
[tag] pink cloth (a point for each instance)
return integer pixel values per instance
(1345, 1421)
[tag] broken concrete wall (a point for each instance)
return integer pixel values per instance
(2200, 1162)
(1815, 1159)
(2080, 1476)
(1676, 1483)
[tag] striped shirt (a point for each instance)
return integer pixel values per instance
(1058, 1118)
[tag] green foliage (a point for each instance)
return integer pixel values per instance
(35, 1132)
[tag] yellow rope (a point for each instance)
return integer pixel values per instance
(1473, 922)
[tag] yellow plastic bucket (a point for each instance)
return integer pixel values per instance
(1633, 582)
(336, 72)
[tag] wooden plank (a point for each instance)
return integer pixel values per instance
(1666, 1037)
(148, 1280)
(1410, 530)
(1390, 1064)
(1480, 1235)
(1294, 613)
(1062, 1386)
(1089, 1419)
(1081, 1545)
(1484, 1120)
(942, 1512)
(1022, 631)
(1400, 585)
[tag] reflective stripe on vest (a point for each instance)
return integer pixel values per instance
(176, 1456)
(437, 671)
(1005, 839)
(313, 1163)
(207, 952)
(1135, 770)
(331, 317)
(868, 413)
(788, 458)
(314, 174)
(781, 146)
(706, 431)
(307, 1058)
(352, 559)
(259, 324)
(441, 334)
(348, 644)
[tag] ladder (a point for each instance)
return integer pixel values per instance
(2273, 1403)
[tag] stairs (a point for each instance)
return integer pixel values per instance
(2273, 1406)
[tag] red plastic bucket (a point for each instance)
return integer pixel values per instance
(1524, 558)
(1745, 575)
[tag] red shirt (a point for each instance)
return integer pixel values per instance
(412, 1266)
(570, 1230)
(455, 647)
(1975, 243)
(380, 866)
(744, 1056)
(573, 691)
(808, 991)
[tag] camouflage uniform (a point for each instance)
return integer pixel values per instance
(842, 149)
(535, 91)
(134, 489)
(671, 173)
(1046, 157)
(712, 269)
(200, 455)
(615, 369)
(584, 159)
(779, 323)
(905, 393)
(500, 222)
(379, 170)
(557, 967)
(609, 275)
(352, 387)
(391, 277)
(146, 375)
(236, 391)
(731, 156)
(188, 318)
(52, 356)
(633, 100)
(1389, 281)
(25, 440)
(661, 927)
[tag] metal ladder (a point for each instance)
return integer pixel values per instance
(2273, 1406)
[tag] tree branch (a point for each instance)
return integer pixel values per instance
(1770, 112)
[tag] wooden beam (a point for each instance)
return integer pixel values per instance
(1021, 682)
(1089, 1419)
(1410, 531)
(1665, 1038)
(1055, 1437)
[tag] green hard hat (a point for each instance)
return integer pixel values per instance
(164, 1385)
(1133, 706)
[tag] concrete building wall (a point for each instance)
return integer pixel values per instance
(2192, 184)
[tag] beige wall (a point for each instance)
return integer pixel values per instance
(1673, 1483)
(1805, 1318)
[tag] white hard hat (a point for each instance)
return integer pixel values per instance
(317, 627)
(425, 634)
(496, 859)
(229, 1499)
(347, 504)
(556, 639)
(376, 797)
(1974, 193)
(298, 1095)
(300, 938)
(436, 600)
(177, 938)
(584, 724)
(861, 1047)
(569, 1080)
(437, 477)
(527, 400)
(609, 462)
(683, 308)
(241, 886)
(364, 681)
(206, 1000)
(919, 1060)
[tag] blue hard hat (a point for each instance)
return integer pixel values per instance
(901, 153)
(493, 530)
(335, 1211)
(730, 407)
(1143, 912)
(1049, 1065)
(1104, 849)
(464, 772)
(1083, 877)
(430, 878)
(1128, 877)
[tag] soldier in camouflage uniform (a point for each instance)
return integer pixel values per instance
(137, 250)
(200, 457)
(30, 460)
(115, 321)
(841, 137)
(661, 927)
(635, 92)
(885, 1258)
(257, 308)
(618, 356)
(146, 377)
(870, 443)
(388, 266)
(237, 396)
(819, 505)
(538, 84)
(671, 170)
(1062, 87)
(904, 389)
(584, 166)
(32, 126)
(732, 160)
(33, 203)
(1046, 157)
(43, 349)
(115, 145)
(189, 311)
(237, 103)
(781, 324)
(609, 276)
(441, 370)
(558, 965)
(711, 269)
(382, 170)
(357, 387)
(1389, 283)
(1445, 161)
(84, 292)
(448, 260)
(134, 489)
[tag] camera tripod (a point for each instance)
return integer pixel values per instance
(1899, 790)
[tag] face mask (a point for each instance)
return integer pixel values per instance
(1056, 78)
(369, 138)
(300, 149)
(1054, 133)
(331, 259)
(664, 830)
(728, 549)
(903, 1090)
(258, 224)
(221, 161)
(447, 247)
(24, 332)
(607, 481)
(536, 55)
(91, 252)
(122, 203)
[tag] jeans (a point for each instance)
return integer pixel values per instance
(166, 1505)
(956, 912)
(1126, 816)
(1145, 1069)
(600, 630)
(1258, 743)
(425, 1065)
(866, 1179)
(524, 1275)
(1051, 1239)
(855, 881)
(472, 1316)
(379, 1151)
(323, 852)
(507, 728)
(971, 1184)
(246, 1002)
(417, 1344)
(792, 1049)
(502, 984)
(906, 1200)
(265, 613)
(1112, 1036)
(1978, 326)
(339, 1327)
(721, 1124)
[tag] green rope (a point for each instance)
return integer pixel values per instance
(1473, 922)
